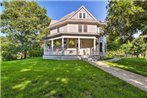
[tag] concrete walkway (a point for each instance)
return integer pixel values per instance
(132, 78)
(114, 59)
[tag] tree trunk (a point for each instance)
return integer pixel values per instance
(144, 55)
(137, 55)
(30, 52)
(25, 54)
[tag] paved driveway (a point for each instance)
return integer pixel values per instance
(132, 78)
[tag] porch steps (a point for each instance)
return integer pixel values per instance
(90, 58)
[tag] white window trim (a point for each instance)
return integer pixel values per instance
(79, 16)
(83, 27)
(98, 29)
(82, 15)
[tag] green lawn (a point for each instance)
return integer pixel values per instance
(136, 65)
(38, 78)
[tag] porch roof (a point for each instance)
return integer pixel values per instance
(75, 21)
(71, 34)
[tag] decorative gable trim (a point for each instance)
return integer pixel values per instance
(85, 10)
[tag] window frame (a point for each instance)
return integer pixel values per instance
(101, 47)
(85, 27)
(79, 27)
(84, 15)
(58, 30)
(80, 15)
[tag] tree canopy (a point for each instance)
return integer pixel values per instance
(24, 22)
(139, 46)
(125, 18)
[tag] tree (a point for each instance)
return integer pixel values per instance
(24, 22)
(113, 45)
(142, 17)
(139, 46)
(9, 49)
(127, 47)
(125, 18)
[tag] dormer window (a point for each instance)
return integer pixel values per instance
(80, 15)
(84, 15)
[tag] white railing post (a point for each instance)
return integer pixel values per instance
(79, 46)
(94, 46)
(52, 46)
(62, 46)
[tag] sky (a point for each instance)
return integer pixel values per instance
(58, 9)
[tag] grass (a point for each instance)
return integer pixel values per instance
(38, 78)
(136, 65)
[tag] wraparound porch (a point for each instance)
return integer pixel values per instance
(71, 45)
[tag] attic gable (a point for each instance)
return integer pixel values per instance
(79, 14)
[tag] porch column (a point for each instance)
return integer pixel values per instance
(94, 45)
(62, 46)
(52, 46)
(79, 46)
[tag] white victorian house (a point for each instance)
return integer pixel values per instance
(76, 35)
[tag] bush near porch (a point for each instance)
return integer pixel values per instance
(38, 78)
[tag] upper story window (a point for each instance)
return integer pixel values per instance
(85, 28)
(80, 27)
(80, 15)
(98, 29)
(58, 30)
(84, 16)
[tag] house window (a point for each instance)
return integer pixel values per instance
(84, 15)
(80, 15)
(58, 30)
(85, 28)
(80, 28)
(105, 47)
(98, 30)
(101, 47)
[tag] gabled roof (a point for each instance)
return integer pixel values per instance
(68, 15)
(68, 18)
(82, 7)
(53, 21)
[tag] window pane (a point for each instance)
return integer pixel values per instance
(58, 30)
(85, 28)
(80, 28)
(101, 50)
(80, 15)
(83, 15)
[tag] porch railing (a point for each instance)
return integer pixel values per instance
(60, 52)
(82, 51)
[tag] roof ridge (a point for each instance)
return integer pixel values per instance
(67, 16)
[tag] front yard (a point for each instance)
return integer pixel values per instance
(136, 65)
(38, 78)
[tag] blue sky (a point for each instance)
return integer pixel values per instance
(58, 9)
